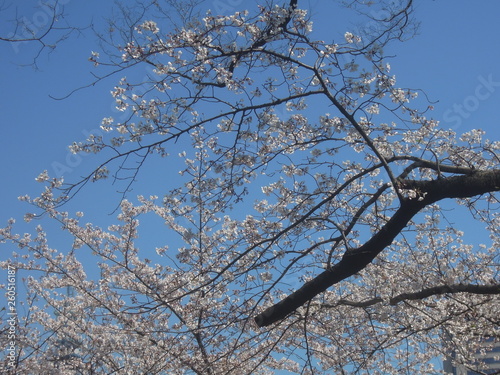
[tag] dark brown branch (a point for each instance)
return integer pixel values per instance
(436, 166)
(422, 294)
(446, 289)
(354, 260)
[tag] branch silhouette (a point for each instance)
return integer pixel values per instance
(355, 260)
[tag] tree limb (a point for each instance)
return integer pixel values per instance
(421, 294)
(354, 260)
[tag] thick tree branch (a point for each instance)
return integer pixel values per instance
(421, 294)
(354, 260)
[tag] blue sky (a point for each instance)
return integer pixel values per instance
(455, 59)
(456, 52)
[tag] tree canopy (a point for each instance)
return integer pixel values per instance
(304, 228)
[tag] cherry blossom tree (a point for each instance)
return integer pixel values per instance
(304, 231)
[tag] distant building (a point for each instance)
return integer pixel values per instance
(488, 362)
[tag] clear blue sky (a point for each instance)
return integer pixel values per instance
(455, 59)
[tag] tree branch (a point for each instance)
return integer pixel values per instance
(268, 33)
(354, 260)
(421, 294)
